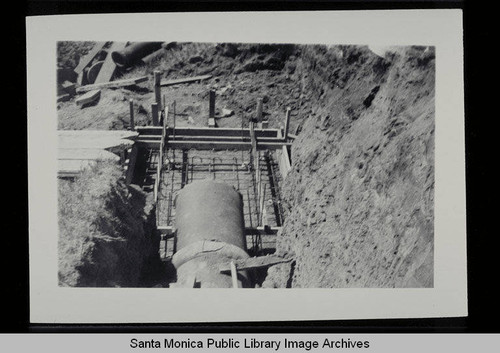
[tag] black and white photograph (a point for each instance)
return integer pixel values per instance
(205, 165)
(285, 165)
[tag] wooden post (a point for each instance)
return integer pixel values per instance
(173, 128)
(154, 110)
(211, 114)
(287, 123)
(132, 123)
(260, 104)
(234, 275)
(157, 88)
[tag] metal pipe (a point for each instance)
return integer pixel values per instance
(134, 52)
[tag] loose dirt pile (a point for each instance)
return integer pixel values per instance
(240, 75)
(103, 235)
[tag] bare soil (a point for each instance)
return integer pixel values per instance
(103, 235)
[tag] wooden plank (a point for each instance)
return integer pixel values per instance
(89, 97)
(109, 66)
(72, 167)
(131, 108)
(262, 231)
(132, 159)
(286, 160)
(103, 139)
(216, 138)
(85, 153)
(63, 98)
(113, 84)
(234, 274)
(211, 107)
(287, 123)
(167, 230)
(254, 262)
(190, 281)
(155, 114)
(217, 145)
(157, 89)
(69, 88)
(205, 131)
(85, 61)
(219, 132)
(260, 103)
(184, 80)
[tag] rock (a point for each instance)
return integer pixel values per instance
(226, 113)
(69, 88)
(195, 59)
(230, 50)
(169, 45)
(66, 75)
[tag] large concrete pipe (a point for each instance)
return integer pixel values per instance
(134, 52)
(151, 58)
(210, 232)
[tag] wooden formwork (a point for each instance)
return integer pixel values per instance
(240, 157)
(254, 160)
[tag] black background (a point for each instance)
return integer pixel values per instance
(481, 87)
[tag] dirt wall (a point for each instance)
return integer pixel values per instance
(104, 240)
(360, 195)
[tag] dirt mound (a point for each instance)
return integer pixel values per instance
(102, 230)
(241, 73)
(69, 54)
(361, 193)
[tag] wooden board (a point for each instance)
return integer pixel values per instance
(89, 97)
(112, 84)
(63, 98)
(285, 161)
(85, 154)
(71, 168)
(217, 145)
(92, 139)
(85, 61)
(205, 131)
(253, 262)
(184, 80)
(81, 148)
(69, 88)
(93, 72)
(108, 68)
